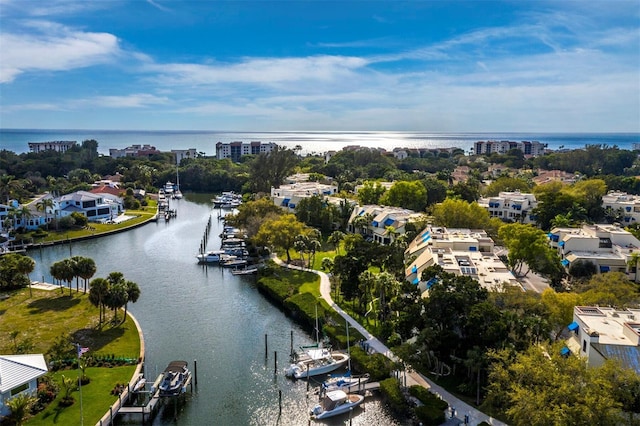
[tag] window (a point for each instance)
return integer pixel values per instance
(584, 346)
(19, 389)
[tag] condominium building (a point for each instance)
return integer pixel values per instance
(528, 148)
(58, 146)
(289, 195)
(145, 150)
(184, 154)
(381, 223)
(609, 247)
(511, 206)
(626, 206)
(458, 251)
(235, 150)
(600, 333)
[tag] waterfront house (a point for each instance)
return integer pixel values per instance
(19, 375)
(96, 207)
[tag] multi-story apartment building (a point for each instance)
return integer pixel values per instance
(511, 206)
(134, 151)
(600, 333)
(381, 223)
(609, 247)
(235, 150)
(59, 146)
(182, 154)
(289, 195)
(460, 252)
(528, 148)
(626, 206)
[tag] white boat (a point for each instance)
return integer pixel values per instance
(317, 362)
(140, 383)
(336, 402)
(168, 188)
(345, 382)
(174, 379)
(213, 256)
(176, 193)
(245, 271)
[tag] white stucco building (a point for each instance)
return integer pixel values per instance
(607, 246)
(460, 252)
(511, 206)
(627, 206)
(601, 333)
(235, 150)
(58, 146)
(377, 221)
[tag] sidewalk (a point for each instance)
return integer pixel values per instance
(461, 408)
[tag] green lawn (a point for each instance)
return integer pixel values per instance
(96, 397)
(40, 319)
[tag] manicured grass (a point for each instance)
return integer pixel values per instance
(45, 316)
(49, 314)
(141, 216)
(96, 397)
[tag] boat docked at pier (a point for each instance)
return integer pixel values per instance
(174, 379)
(227, 200)
(212, 256)
(345, 382)
(317, 362)
(336, 402)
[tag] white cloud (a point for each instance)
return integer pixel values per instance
(48, 46)
(135, 100)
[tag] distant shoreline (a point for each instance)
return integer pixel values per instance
(310, 142)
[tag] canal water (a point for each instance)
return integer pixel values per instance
(193, 312)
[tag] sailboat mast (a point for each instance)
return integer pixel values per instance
(348, 346)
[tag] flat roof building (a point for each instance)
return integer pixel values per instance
(458, 251)
(601, 333)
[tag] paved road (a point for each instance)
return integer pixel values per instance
(412, 378)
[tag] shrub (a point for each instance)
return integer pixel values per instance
(390, 389)
(432, 412)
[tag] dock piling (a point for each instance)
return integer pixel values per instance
(195, 371)
(275, 363)
(279, 401)
(265, 347)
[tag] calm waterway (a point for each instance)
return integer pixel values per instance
(192, 312)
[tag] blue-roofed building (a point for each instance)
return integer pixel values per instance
(608, 247)
(288, 195)
(511, 206)
(384, 224)
(460, 252)
(599, 333)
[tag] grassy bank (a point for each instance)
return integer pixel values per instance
(33, 324)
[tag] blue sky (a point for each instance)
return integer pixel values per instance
(440, 66)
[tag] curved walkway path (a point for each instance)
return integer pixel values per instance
(460, 407)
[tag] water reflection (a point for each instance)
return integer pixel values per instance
(192, 312)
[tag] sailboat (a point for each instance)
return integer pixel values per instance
(316, 361)
(345, 382)
(176, 193)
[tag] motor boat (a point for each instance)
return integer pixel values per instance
(336, 402)
(174, 379)
(345, 382)
(213, 256)
(316, 362)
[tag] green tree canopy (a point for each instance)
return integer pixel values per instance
(370, 193)
(461, 214)
(509, 184)
(281, 233)
(406, 194)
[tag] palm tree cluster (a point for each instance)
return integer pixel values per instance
(74, 267)
(113, 292)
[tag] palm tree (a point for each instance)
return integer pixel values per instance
(116, 298)
(44, 205)
(86, 268)
(9, 187)
(20, 406)
(23, 213)
(98, 290)
(25, 265)
(133, 293)
(63, 271)
(336, 238)
(387, 286)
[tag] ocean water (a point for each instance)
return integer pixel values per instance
(16, 140)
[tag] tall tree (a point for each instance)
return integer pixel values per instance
(370, 192)
(45, 204)
(269, 170)
(280, 233)
(527, 245)
(409, 195)
(98, 291)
